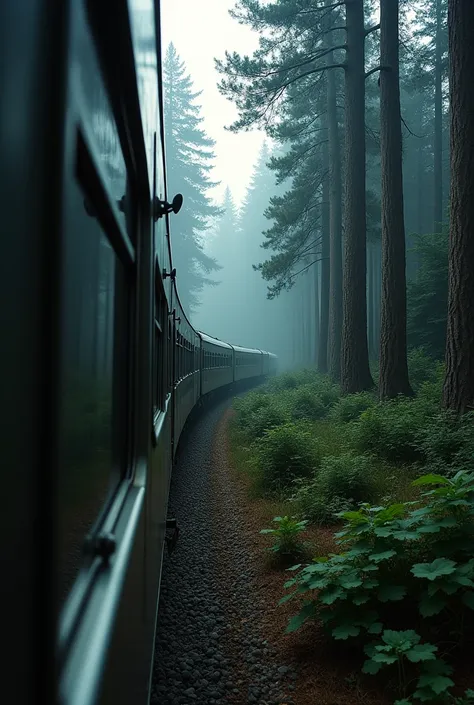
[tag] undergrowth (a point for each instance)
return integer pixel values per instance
(396, 477)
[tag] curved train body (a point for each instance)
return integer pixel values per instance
(101, 366)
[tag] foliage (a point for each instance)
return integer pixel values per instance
(423, 368)
(284, 454)
(257, 413)
(420, 552)
(286, 536)
(427, 295)
(189, 163)
(350, 407)
(390, 430)
(340, 484)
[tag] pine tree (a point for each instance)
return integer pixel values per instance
(189, 157)
(393, 345)
(459, 382)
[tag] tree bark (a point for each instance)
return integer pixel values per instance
(335, 230)
(355, 371)
(459, 380)
(370, 299)
(325, 237)
(438, 126)
(393, 378)
(316, 316)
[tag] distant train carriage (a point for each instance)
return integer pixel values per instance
(217, 360)
(247, 363)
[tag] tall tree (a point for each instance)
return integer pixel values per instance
(459, 381)
(355, 371)
(393, 345)
(189, 158)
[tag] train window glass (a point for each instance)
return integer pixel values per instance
(159, 353)
(95, 327)
(99, 119)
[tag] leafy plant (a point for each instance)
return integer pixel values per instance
(284, 454)
(286, 535)
(350, 408)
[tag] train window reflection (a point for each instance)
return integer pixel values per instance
(94, 383)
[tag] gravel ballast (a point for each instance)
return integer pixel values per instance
(210, 648)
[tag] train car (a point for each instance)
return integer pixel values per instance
(217, 363)
(101, 365)
(247, 363)
(187, 375)
(272, 364)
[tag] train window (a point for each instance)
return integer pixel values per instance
(95, 328)
(159, 353)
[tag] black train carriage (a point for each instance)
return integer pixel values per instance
(101, 367)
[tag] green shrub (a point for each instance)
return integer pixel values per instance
(286, 535)
(284, 454)
(348, 477)
(390, 430)
(341, 483)
(257, 413)
(421, 367)
(305, 403)
(418, 549)
(350, 408)
(448, 441)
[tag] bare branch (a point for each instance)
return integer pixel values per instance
(374, 28)
(377, 68)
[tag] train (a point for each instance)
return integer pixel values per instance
(102, 367)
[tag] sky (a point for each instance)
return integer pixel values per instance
(202, 30)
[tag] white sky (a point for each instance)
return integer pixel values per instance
(200, 31)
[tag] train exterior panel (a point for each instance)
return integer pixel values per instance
(248, 363)
(98, 343)
(217, 363)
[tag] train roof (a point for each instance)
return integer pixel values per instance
(214, 341)
(238, 348)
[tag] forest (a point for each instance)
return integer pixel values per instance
(351, 258)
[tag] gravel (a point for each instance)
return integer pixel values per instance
(209, 648)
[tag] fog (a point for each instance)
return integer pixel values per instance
(214, 250)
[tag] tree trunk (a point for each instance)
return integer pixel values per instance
(317, 315)
(459, 381)
(393, 378)
(324, 316)
(438, 126)
(335, 230)
(370, 299)
(355, 371)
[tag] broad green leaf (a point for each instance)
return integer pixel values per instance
(360, 599)
(383, 657)
(289, 583)
(286, 598)
(375, 628)
(388, 593)
(344, 631)
(402, 702)
(422, 652)
(371, 667)
(438, 684)
(468, 599)
(318, 583)
(397, 639)
(431, 604)
(385, 555)
(431, 571)
(331, 594)
(424, 694)
(431, 479)
(268, 531)
(350, 580)
(296, 622)
(295, 567)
